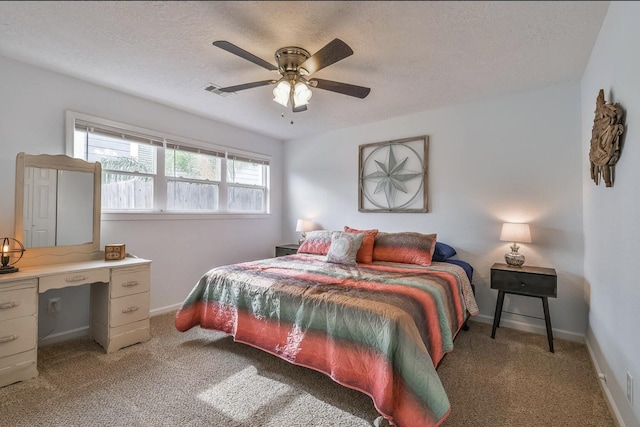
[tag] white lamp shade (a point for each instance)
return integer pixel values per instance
(301, 94)
(281, 93)
(517, 233)
(304, 225)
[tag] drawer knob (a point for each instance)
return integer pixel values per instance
(523, 284)
(8, 338)
(11, 304)
(129, 284)
(131, 309)
(75, 279)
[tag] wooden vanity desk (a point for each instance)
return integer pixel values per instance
(63, 250)
(119, 308)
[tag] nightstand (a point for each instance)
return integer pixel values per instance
(528, 281)
(291, 249)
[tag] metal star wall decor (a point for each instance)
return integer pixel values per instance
(391, 185)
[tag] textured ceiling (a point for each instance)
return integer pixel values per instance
(414, 56)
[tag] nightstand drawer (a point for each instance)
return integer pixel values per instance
(524, 283)
(284, 250)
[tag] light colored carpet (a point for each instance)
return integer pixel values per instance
(203, 378)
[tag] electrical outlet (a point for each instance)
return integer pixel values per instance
(630, 388)
(53, 305)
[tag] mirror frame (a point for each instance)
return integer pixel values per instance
(58, 162)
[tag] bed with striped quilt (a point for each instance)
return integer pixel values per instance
(379, 328)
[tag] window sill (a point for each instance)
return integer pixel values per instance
(164, 216)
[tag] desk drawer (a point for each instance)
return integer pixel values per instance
(17, 335)
(18, 367)
(129, 309)
(524, 283)
(74, 278)
(129, 281)
(17, 302)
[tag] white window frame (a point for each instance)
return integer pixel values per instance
(161, 178)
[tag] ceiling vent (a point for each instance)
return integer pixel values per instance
(213, 88)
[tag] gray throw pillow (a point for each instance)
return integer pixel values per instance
(344, 247)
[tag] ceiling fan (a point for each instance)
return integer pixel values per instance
(295, 65)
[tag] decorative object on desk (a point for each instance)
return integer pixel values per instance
(304, 226)
(393, 176)
(11, 249)
(608, 127)
(512, 232)
(114, 252)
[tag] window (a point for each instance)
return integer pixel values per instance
(145, 171)
(246, 180)
(193, 179)
(128, 167)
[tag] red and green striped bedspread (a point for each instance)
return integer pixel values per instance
(379, 328)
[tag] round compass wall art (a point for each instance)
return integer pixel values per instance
(393, 176)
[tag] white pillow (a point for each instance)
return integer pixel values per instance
(344, 247)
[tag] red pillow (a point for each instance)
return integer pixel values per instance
(365, 253)
(407, 248)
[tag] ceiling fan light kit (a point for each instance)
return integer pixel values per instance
(281, 93)
(299, 93)
(295, 65)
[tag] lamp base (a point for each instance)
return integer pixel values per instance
(5, 270)
(302, 238)
(514, 259)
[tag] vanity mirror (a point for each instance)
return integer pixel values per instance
(57, 210)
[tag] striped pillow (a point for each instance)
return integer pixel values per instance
(317, 242)
(407, 248)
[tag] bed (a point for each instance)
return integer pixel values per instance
(380, 327)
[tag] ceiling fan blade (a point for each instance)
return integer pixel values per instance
(344, 88)
(333, 52)
(246, 86)
(299, 109)
(231, 48)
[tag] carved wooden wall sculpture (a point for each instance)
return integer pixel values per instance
(608, 127)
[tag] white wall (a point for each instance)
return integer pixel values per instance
(513, 158)
(611, 215)
(32, 106)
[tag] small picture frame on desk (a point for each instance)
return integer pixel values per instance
(114, 252)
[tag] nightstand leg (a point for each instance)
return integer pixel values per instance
(498, 313)
(547, 321)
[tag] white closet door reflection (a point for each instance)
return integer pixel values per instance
(58, 207)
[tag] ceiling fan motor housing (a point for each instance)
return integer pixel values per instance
(289, 60)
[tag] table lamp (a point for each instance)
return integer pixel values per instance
(512, 232)
(303, 226)
(11, 252)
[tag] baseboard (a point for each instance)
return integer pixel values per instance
(528, 327)
(605, 389)
(164, 310)
(64, 336)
